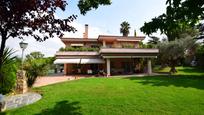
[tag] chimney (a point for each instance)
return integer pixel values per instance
(86, 31)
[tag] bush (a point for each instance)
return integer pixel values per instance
(35, 68)
(7, 72)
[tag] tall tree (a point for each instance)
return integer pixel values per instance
(179, 16)
(20, 18)
(124, 29)
(172, 52)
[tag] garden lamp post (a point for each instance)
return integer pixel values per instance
(23, 46)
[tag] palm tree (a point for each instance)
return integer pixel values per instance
(125, 26)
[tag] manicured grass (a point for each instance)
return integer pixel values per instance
(182, 70)
(121, 96)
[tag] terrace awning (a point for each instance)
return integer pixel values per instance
(92, 61)
(79, 61)
(70, 61)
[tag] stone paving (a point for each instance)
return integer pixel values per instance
(20, 100)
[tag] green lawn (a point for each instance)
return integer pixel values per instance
(182, 70)
(178, 94)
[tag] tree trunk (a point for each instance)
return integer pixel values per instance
(173, 68)
(3, 44)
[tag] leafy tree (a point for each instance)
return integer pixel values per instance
(35, 55)
(200, 55)
(201, 31)
(124, 29)
(172, 52)
(8, 72)
(20, 18)
(179, 16)
(87, 5)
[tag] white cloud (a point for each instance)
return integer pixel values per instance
(51, 45)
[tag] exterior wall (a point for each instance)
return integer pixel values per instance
(110, 44)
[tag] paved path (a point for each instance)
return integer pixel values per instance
(20, 100)
(46, 80)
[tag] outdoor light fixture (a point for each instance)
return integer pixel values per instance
(23, 46)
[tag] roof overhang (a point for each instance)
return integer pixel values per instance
(70, 61)
(129, 57)
(92, 61)
(79, 61)
(120, 38)
(77, 55)
(128, 53)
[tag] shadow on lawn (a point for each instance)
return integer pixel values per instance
(62, 108)
(186, 81)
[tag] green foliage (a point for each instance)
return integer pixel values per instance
(127, 45)
(37, 66)
(8, 72)
(142, 45)
(79, 49)
(87, 5)
(201, 31)
(153, 40)
(172, 52)
(179, 16)
(200, 55)
(124, 29)
(35, 55)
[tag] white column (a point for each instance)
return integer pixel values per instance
(108, 67)
(104, 44)
(65, 69)
(149, 68)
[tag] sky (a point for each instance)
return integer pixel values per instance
(104, 20)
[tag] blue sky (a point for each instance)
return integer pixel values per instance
(104, 20)
(109, 18)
